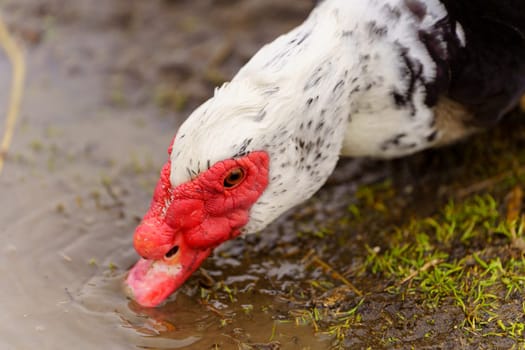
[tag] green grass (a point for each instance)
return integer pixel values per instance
(420, 263)
(468, 253)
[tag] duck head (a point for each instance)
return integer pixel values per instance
(265, 142)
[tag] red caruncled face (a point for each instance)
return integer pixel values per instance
(185, 223)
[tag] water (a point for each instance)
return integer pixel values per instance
(88, 145)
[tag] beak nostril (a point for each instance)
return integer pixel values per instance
(172, 251)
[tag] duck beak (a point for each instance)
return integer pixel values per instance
(151, 281)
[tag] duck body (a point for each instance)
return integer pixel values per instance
(374, 78)
(487, 76)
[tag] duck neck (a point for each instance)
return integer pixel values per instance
(311, 76)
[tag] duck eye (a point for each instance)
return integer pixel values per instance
(234, 177)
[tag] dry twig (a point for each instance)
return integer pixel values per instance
(325, 266)
(488, 183)
(16, 57)
(514, 204)
(423, 268)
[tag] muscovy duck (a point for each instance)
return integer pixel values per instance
(375, 78)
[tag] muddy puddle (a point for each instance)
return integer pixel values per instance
(107, 87)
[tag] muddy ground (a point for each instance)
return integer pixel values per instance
(401, 254)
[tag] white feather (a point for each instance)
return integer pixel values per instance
(317, 74)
